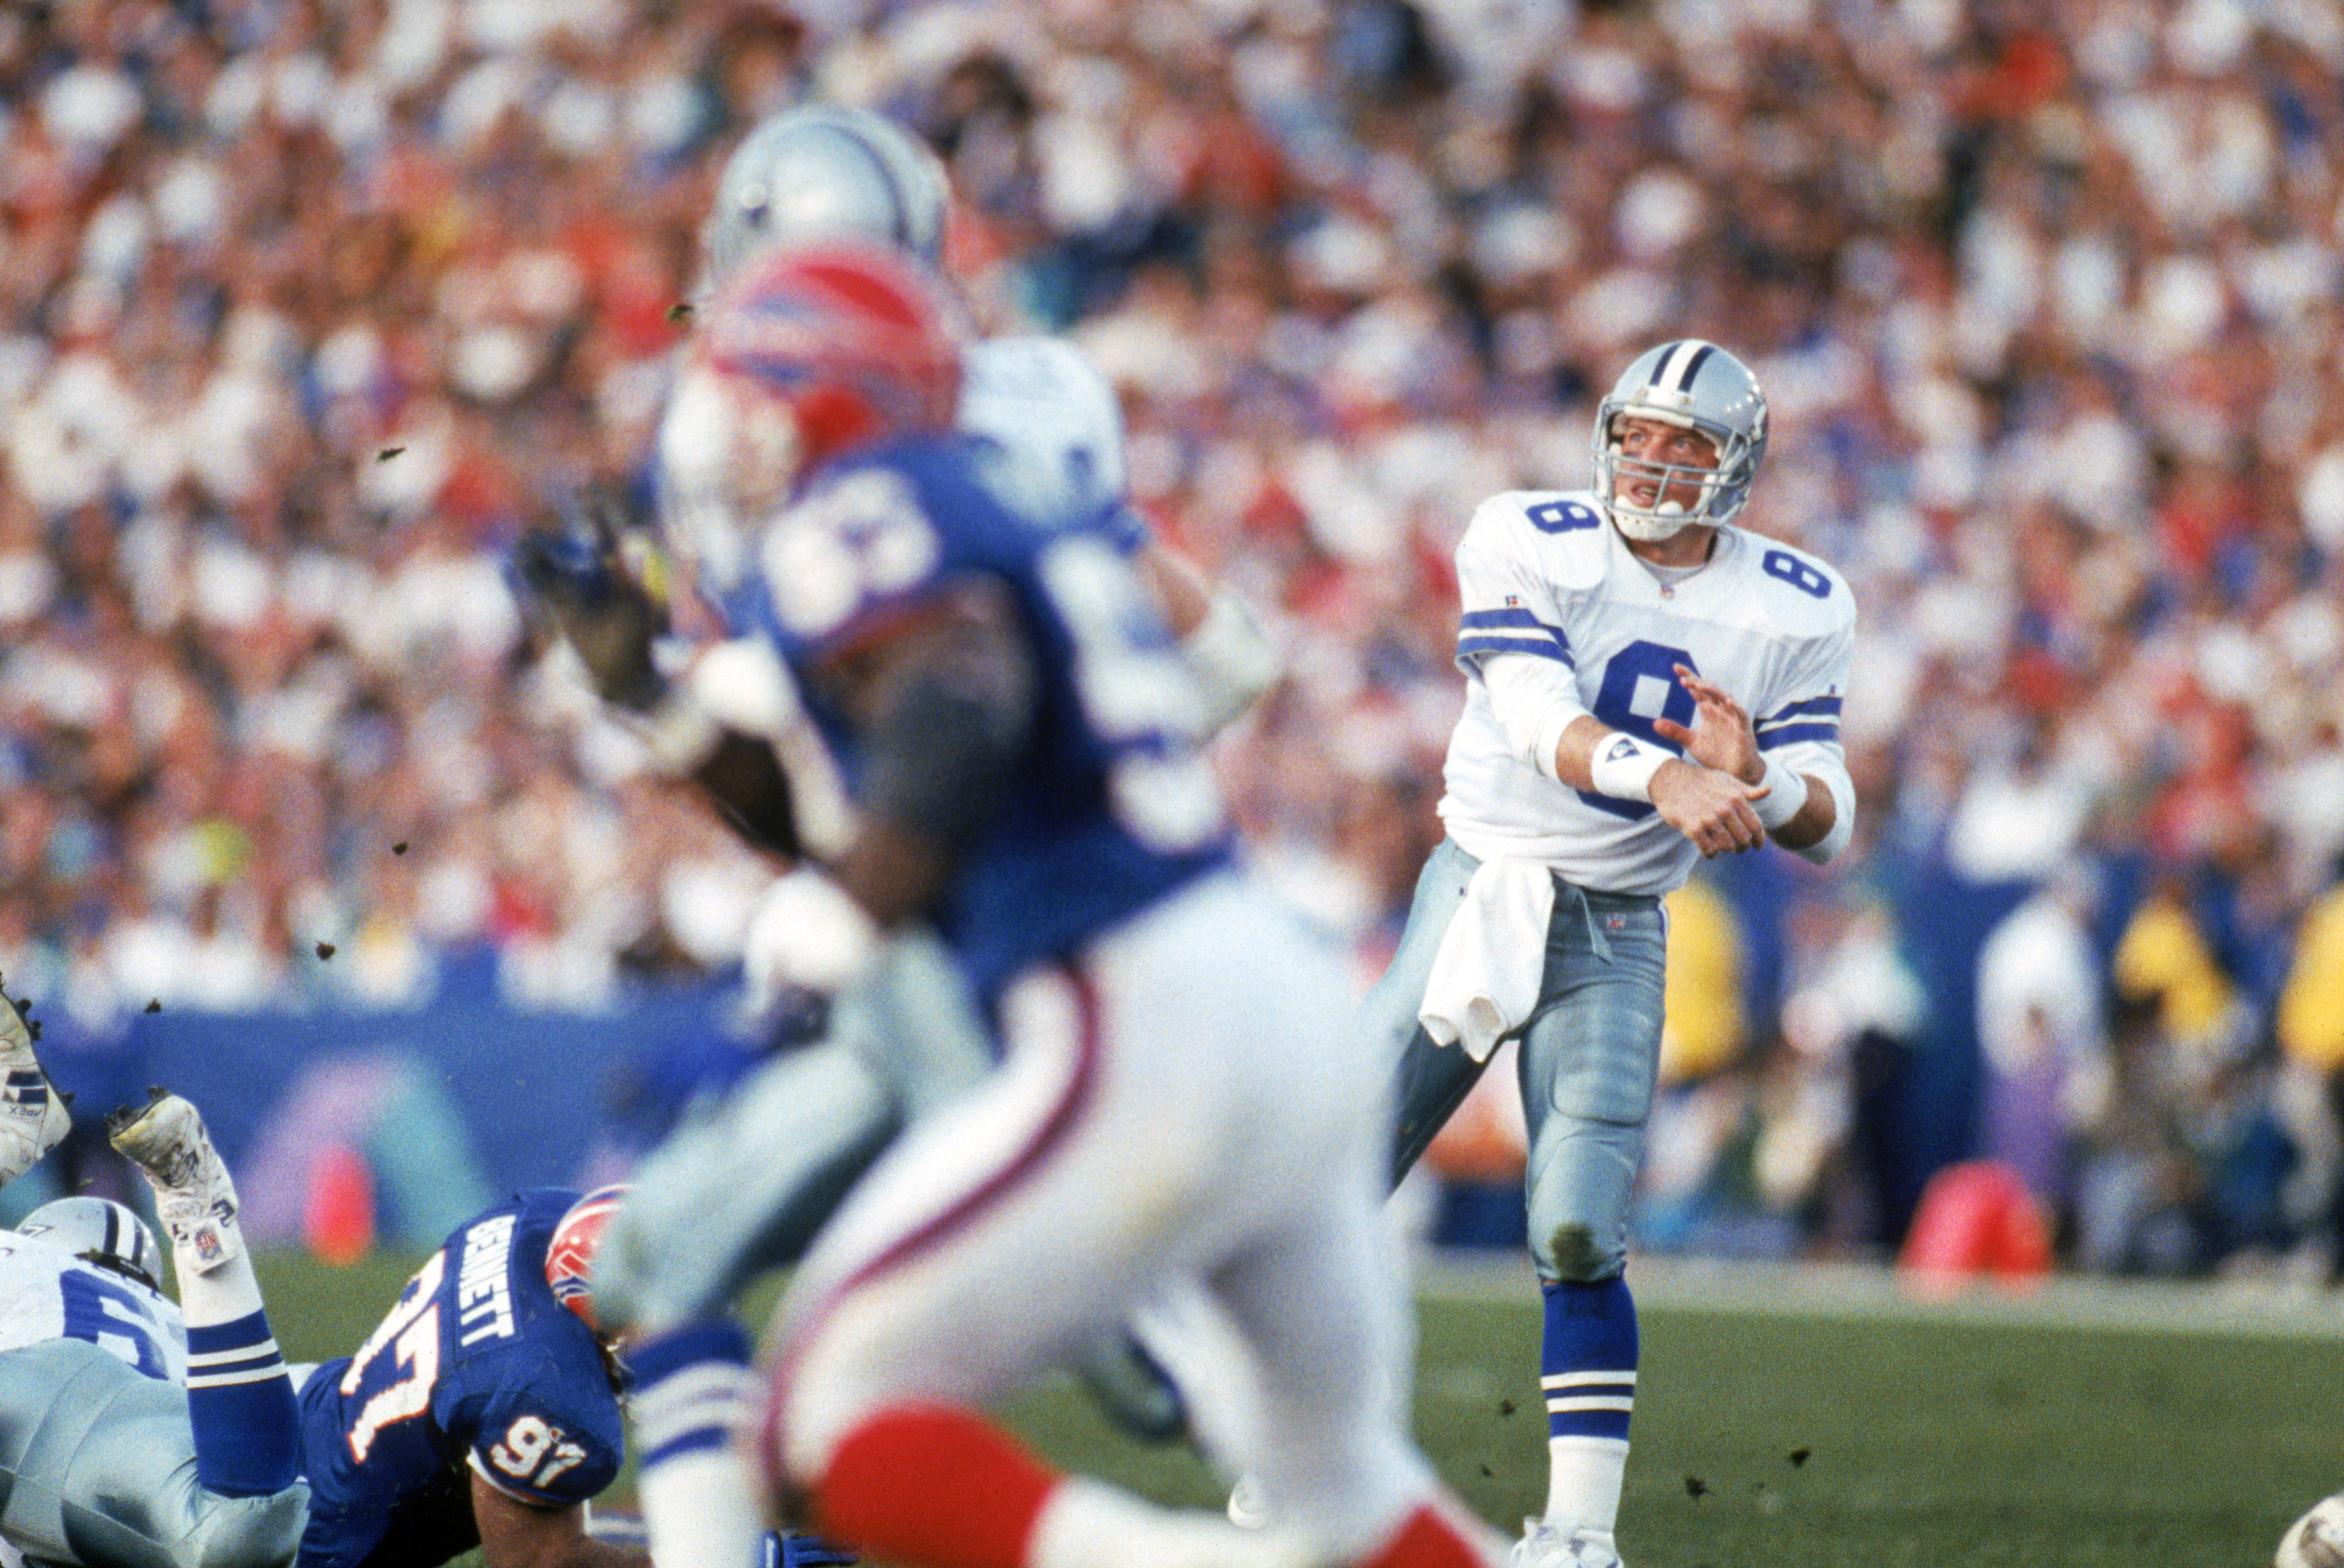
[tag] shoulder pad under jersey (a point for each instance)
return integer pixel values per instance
(1051, 414)
(1562, 536)
(1799, 593)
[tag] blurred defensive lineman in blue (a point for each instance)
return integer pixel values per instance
(1647, 685)
(750, 1182)
(1017, 736)
(481, 1410)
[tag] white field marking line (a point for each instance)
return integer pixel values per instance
(2251, 1308)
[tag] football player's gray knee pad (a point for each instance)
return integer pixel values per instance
(1580, 1177)
(1588, 1065)
(741, 1187)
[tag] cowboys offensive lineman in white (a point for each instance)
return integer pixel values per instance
(133, 1433)
(1647, 684)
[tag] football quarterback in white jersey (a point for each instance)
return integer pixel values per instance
(1647, 684)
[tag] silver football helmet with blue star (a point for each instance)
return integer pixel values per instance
(1696, 386)
(821, 173)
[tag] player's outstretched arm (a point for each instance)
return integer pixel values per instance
(514, 1534)
(1219, 639)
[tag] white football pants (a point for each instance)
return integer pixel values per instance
(1183, 1106)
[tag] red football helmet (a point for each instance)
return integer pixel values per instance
(569, 1256)
(850, 344)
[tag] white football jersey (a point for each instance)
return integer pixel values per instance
(1048, 419)
(1543, 574)
(48, 1293)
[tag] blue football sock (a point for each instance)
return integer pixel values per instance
(1586, 1368)
(693, 1388)
(240, 1403)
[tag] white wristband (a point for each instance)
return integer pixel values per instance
(1622, 767)
(1231, 660)
(1786, 796)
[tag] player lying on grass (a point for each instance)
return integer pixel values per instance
(483, 1411)
(133, 1432)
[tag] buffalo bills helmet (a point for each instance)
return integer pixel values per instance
(823, 174)
(1696, 386)
(101, 1231)
(570, 1255)
(843, 345)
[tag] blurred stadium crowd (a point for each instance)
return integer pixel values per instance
(308, 308)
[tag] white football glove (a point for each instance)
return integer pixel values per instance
(807, 936)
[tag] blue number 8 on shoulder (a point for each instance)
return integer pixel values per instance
(1562, 516)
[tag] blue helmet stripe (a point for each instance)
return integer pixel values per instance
(1666, 352)
(1679, 362)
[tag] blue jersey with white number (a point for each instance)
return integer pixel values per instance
(476, 1369)
(1112, 805)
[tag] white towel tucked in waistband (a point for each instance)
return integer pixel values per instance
(1485, 977)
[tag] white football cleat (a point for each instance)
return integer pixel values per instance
(193, 1193)
(33, 1115)
(1547, 1545)
(2315, 1540)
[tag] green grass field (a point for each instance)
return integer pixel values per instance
(1815, 1421)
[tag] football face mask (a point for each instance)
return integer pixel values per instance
(1693, 386)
